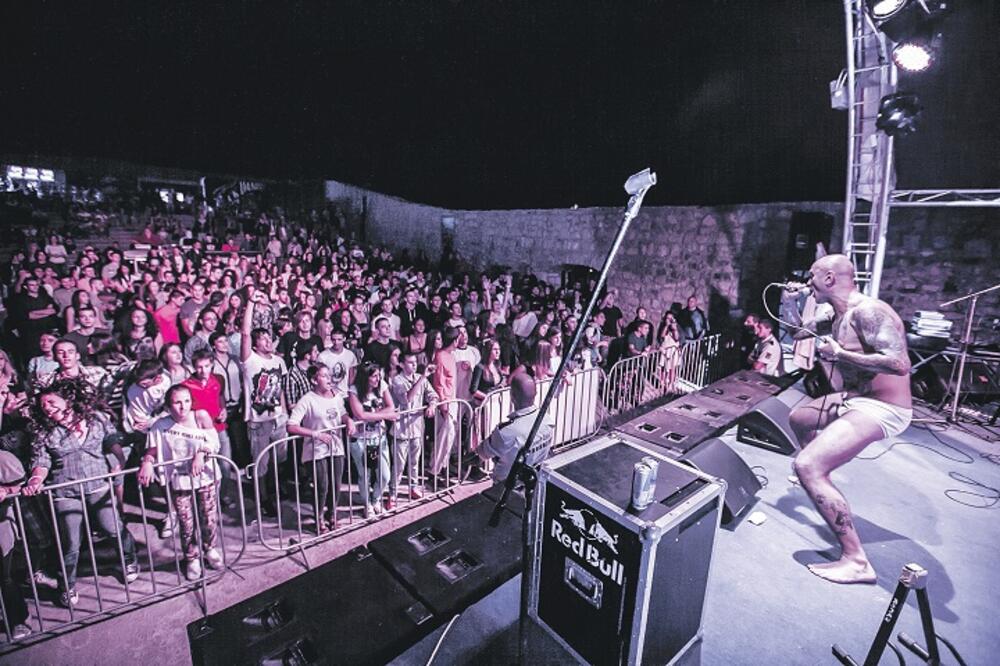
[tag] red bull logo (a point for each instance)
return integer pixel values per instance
(592, 533)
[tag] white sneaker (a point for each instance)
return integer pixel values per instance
(213, 558)
(193, 570)
(167, 528)
(20, 631)
(45, 580)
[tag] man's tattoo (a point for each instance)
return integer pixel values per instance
(837, 514)
(880, 333)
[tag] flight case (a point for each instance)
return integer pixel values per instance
(612, 585)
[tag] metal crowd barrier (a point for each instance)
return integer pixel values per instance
(160, 571)
(639, 379)
(298, 518)
(456, 431)
(574, 410)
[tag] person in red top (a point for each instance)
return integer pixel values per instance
(206, 393)
(446, 425)
(166, 317)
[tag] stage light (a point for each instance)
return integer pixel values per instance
(912, 57)
(883, 9)
(898, 113)
(919, 51)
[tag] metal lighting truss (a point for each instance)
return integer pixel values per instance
(871, 173)
(944, 198)
(870, 75)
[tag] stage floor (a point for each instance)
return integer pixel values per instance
(764, 607)
(763, 604)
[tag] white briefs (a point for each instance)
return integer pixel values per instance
(893, 419)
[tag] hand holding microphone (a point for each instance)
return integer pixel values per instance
(795, 287)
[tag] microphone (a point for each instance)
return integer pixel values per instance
(795, 287)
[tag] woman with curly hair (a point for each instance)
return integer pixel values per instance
(70, 433)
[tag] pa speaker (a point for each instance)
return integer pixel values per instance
(767, 427)
(672, 433)
(348, 611)
(714, 457)
(450, 559)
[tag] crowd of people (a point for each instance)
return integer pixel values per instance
(187, 357)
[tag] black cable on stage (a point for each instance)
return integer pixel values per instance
(952, 649)
(989, 498)
(966, 459)
(761, 475)
(898, 652)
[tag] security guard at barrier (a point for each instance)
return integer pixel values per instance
(502, 446)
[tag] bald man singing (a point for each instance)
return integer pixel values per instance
(867, 346)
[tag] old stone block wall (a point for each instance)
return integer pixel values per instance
(934, 255)
(725, 255)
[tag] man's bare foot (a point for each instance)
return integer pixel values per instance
(845, 571)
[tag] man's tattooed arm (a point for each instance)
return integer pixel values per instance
(881, 333)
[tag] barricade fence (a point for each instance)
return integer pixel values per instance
(574, 410)
(316, 493)
(656, 373)
(55, 526)
(361, 476)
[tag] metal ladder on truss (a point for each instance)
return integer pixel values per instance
(870, 75)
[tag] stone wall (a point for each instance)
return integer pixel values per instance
(938, 254)
(725, 255)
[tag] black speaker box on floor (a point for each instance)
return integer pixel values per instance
(348, 611)
(750, 382)
(714, 457)
(670, 432)
(767, 427)
(451, 559)
(702, 407)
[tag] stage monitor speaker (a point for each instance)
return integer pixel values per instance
(348, 611)
(672, 434)
(755, 383)
(451, 559)
(714, 457)
(702, 407)
(767, 427)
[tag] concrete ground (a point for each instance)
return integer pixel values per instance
(914, 500)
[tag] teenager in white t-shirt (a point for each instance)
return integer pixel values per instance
(317, 417)
(341, 361)
(265, 410)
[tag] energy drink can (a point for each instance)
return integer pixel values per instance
(643, 485)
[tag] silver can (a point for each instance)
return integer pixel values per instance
(654, 465)
(643, 485)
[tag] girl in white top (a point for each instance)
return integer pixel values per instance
(317, 417)
(189, 436)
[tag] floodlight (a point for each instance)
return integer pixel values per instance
(898, 113)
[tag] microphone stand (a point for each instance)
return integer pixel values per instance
(966, 341)
(636, 186)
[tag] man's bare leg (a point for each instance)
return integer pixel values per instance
(836, 445)
(807, 419)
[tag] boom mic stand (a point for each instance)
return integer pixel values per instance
(636, 186)
(966, 341)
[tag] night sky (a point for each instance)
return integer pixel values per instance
(487, 104)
